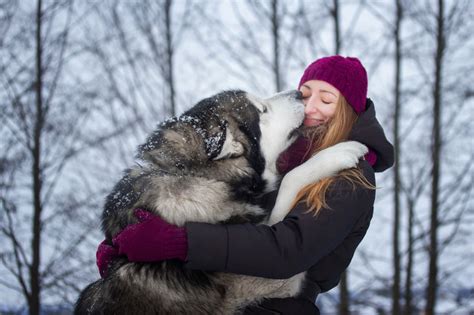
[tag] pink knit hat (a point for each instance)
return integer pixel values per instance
(347, 74)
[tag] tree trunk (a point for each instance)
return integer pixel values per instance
(408, 308)
(436, 153)
(35, 300)
(276, 45)
(169, 57)
(344, 301)
(396, 168)
(337, 32)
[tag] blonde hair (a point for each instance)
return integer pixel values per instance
(335, 131)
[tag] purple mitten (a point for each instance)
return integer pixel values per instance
(104, 256)
(371, 157)
(152, 239)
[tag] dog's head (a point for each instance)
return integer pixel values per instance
(278, 118)
(227, 136)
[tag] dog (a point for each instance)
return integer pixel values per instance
(221, 155)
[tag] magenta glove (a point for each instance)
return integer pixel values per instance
(104, 256)
(152, 239)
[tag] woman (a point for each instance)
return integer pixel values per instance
(328, 221)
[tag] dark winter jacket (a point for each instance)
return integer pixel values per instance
(322, 246)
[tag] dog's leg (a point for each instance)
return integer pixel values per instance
(246, 290)
(326, 163)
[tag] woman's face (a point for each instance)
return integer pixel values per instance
(320, 99)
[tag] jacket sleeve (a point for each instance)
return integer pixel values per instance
(286, 248)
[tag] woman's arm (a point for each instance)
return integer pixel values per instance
(277, 251)
(326, 273)
(286, 248)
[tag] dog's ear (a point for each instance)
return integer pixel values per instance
(222, 144)
(231, 148)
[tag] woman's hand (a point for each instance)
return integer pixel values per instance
(104, 256)
(150, 240)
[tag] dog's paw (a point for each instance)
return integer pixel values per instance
(325, 163)
(341, 156)
(346, 154)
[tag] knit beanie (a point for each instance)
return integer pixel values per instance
(347, 74)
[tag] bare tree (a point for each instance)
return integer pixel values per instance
(410, 130)
(137, 57)
(344, 304)
(276, 43)
(34, 296)
(243, 50)
(396, 168)
(46, 120)
(337, 33)
(445, 28)
(344, 296)
(436, 158)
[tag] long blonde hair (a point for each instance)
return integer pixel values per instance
(335, 131)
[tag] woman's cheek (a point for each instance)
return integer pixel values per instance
(330, 112)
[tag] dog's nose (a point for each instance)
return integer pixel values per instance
(298, 95)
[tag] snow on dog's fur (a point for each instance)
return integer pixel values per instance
(220, 155)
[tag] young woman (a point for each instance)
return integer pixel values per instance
(325, 226)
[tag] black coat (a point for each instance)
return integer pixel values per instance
(322, 246)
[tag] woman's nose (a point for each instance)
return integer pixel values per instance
(309, 107)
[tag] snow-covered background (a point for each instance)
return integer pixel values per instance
(112, 70)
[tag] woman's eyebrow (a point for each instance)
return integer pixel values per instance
(328, 92)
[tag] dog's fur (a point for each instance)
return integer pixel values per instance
(209, 165)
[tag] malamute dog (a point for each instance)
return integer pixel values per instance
(211, 165)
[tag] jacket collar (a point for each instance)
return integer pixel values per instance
(367, 130)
